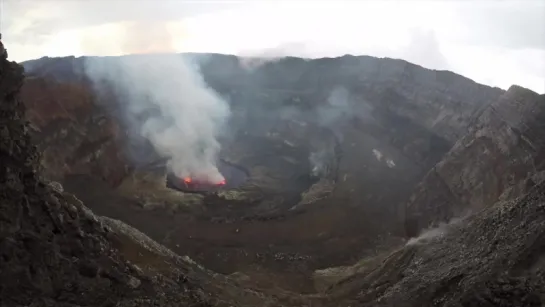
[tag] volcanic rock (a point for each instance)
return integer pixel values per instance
(502, 157)
(72, 132)
(493, 258)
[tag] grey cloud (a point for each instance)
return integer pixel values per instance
(506, 24)
(424, 50)
(282, 50)
(57, 15)
(138, 37)
(252, 59)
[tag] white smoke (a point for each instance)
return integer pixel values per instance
(331, 115)
(437, 232)
(168, 102)
(337, 109)
(319, 162)
(254, 59)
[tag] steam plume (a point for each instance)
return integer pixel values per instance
(320, 160)
(437, 232)
(331, 116)
(338, 107)
(168, 102)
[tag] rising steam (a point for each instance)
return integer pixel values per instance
(437, 232)
(167, 102)
(330, 115)
(337, 109)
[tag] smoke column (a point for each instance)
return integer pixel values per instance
(331, 115)
(169, 104)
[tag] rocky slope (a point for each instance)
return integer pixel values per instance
(501, 158)
(75, 136)
(492, 258)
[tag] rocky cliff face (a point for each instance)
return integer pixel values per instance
(74, 135)
(499, 159)
(492, 258)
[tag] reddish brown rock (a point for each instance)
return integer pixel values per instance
(73, 133)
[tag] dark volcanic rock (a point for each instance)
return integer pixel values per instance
(493, 258)
(500, 158)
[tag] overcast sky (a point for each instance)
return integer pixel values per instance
(494, 42)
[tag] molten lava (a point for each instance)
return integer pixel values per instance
(188, 181)
(228, 177)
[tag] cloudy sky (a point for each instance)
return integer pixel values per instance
(494, 42)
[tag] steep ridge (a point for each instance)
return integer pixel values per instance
(73, 134)
(492, 258)
(501, 158)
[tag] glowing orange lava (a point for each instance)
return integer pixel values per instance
(190, 181)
